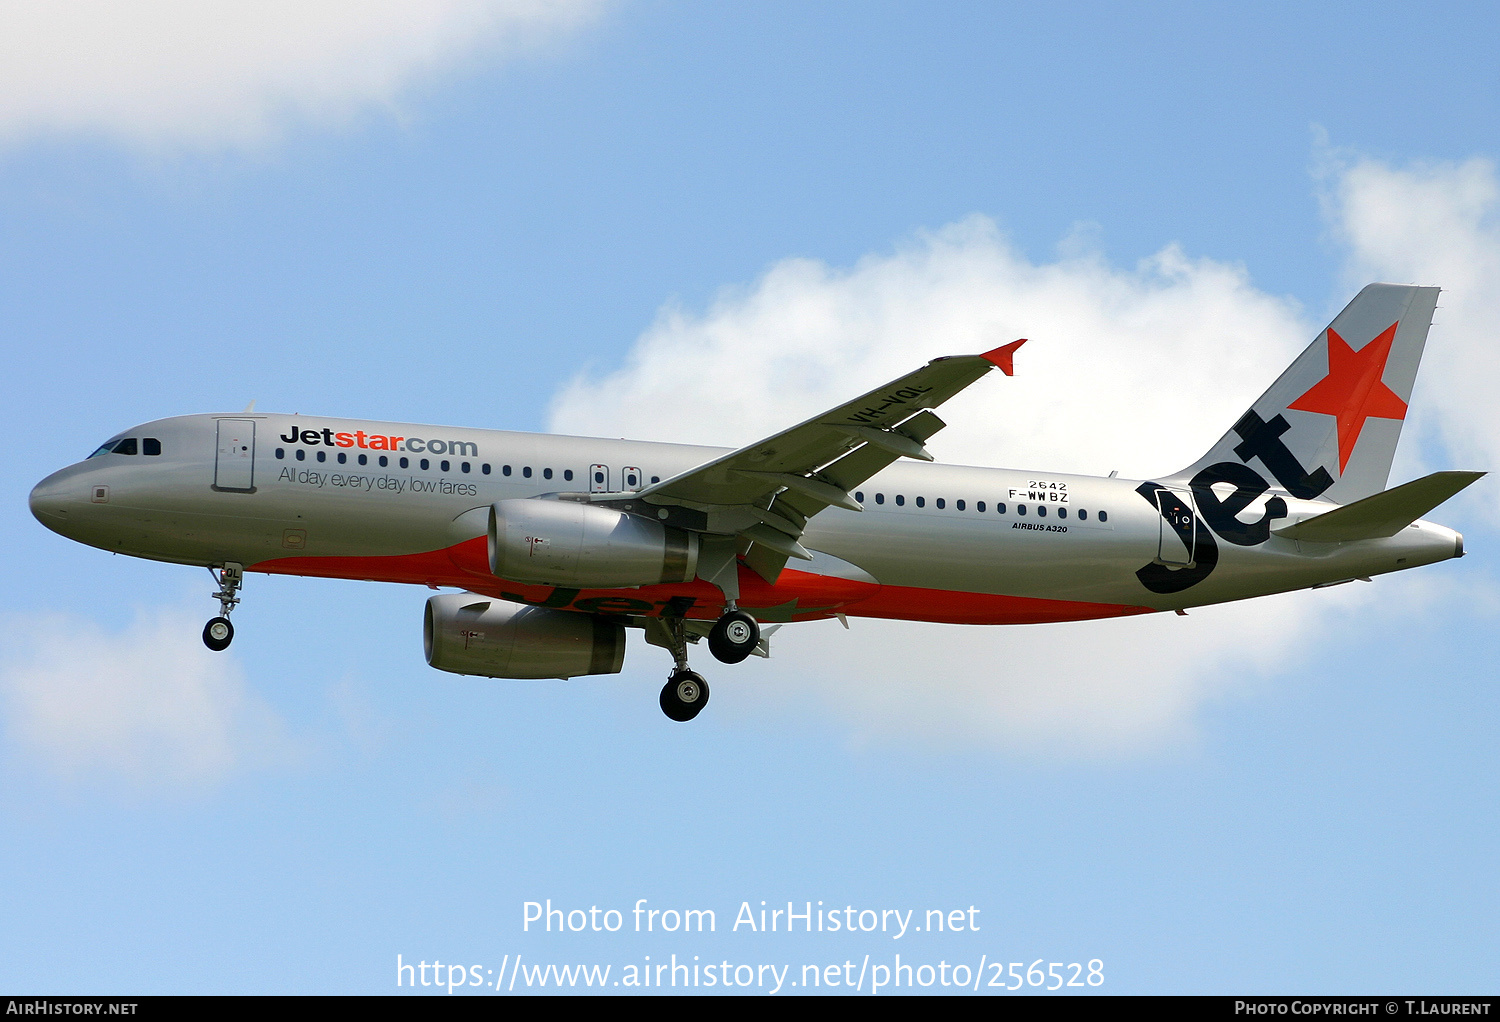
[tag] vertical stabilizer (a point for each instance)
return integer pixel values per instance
(1328, 427)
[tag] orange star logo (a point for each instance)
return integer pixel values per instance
(1353, 390)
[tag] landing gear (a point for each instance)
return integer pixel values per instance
(731, 639)
(219, 633)
(684, 695)
(734, 637)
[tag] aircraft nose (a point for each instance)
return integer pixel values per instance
(51, 499)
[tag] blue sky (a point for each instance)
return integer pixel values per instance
(532, 222)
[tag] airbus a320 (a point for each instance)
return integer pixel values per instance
(558, 545)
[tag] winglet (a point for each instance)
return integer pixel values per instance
(1004, 356)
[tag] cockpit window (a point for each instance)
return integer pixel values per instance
(125, 446)
(151, 446)
(128, 446)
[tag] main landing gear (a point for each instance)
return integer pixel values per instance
(219, 633)
(684, 695)
(733, 637)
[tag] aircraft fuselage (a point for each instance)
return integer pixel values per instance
(399, 502)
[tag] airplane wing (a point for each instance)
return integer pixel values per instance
(766, 492)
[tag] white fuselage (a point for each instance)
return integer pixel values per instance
(404, 502)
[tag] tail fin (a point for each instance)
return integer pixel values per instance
(1329, 426)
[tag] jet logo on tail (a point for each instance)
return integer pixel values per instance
(1352, 391)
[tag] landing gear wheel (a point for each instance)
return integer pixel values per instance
(733, 637)
(218, 634)
(684, 695)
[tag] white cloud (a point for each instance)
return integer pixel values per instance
(208, 73)
(1138, 369)
(150, 705)
(1093, 689)
(1436, 223)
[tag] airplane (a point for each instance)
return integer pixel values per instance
(559, 544)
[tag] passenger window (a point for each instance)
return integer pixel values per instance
(960, 505)
(322, 455)
(443, 465)
(546, 473)
(301, 454)
(384, 461)
(656, 479)
(424, 463)
(568, 475)
(1041, 510)
(151, 446)
(526, 471)
(880, 498)
(406, 463)
(343, 457)
(1062, 512)
(859, 497)
(1104, 516)
(280, 453)
(485, 468)
(999, 509)
(1021, 509)
(978, 506)
(505, 470)
(921, 502)
(464, 466)
(1083, 515)
(900, 500)
(364, 459)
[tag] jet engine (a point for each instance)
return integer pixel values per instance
(583, 546)
(467, 634)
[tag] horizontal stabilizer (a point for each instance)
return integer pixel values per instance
(1384, 514)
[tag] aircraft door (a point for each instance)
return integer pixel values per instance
(599, 479)
(234, 462)
(1176, 543)
(630, 478)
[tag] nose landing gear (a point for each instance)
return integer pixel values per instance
(219, 633)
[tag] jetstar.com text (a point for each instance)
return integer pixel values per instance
(379, 442)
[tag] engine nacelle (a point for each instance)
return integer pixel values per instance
(583, 546)
(468, 634)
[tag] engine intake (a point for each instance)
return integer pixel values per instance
(467, 634)
(564, 543)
